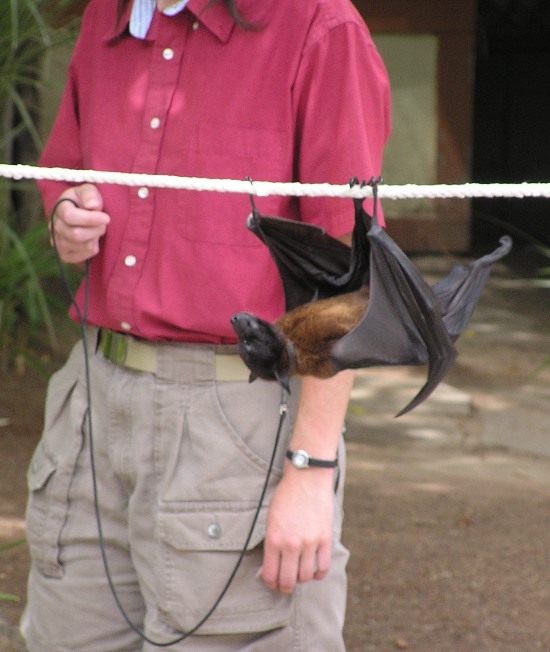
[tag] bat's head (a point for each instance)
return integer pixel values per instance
(263, 348)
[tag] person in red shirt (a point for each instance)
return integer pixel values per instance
(277, 91)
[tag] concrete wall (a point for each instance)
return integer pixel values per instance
(429, 48)
(411, 153)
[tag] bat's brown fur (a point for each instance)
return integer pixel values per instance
(301, 341)
(314, 328)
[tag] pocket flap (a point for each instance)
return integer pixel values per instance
(41, 468)
(212, 526)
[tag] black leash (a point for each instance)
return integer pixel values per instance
(83, 322)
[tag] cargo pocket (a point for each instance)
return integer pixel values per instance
(52, 467)
(200, 545)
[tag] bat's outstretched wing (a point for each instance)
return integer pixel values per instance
(402, 325)
(457, 294)
(407, 322)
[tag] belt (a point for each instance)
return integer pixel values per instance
(141, 355)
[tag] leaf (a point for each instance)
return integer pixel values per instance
(12, 544)
(7, 597)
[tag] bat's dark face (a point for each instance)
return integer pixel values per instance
(262, 347)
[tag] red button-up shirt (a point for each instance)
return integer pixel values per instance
(304, 98)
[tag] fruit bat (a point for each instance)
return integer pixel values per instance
(355, 307)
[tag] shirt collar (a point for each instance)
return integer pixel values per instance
(214, 16)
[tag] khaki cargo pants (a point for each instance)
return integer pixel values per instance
(180, 459)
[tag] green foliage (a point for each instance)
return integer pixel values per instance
(7, 597)
(24, 37)
(27, 264)
(26, 307)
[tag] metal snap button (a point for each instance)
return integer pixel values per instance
(214, 531)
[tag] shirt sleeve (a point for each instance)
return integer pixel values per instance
(63, 147)
(343, 116)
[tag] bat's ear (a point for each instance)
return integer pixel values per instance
(252, 377)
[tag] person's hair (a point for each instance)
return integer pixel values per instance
(229, 4)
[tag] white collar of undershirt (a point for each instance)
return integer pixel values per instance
(143, 12)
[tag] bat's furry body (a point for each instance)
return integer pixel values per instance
(301, 341)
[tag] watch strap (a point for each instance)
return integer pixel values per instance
(306, 460)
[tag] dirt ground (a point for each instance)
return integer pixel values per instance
(447, 509)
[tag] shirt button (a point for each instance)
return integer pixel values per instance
(168, 54)
(125, 326)
(143, 192)
(155, 123)
(130, 261)
(214, 531)
(196, 25)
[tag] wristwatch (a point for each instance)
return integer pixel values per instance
(301, 460)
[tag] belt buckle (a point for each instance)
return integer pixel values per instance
(114, 346)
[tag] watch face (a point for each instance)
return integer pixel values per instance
(300, 459)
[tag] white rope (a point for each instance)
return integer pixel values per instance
(260, 188)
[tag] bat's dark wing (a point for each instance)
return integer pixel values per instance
(402, 325)
(312, 264)
(457, 294)
(406, 322)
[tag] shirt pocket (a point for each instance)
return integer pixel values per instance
(52, 467)
(228, 152)
(200, 546)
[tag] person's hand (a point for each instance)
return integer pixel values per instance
(77, 229)
(298, 542)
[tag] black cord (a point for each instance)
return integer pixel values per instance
(83, 322)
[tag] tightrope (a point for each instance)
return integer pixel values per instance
(264, 188)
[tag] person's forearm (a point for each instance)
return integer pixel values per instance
(298, 541)
(321, 414)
